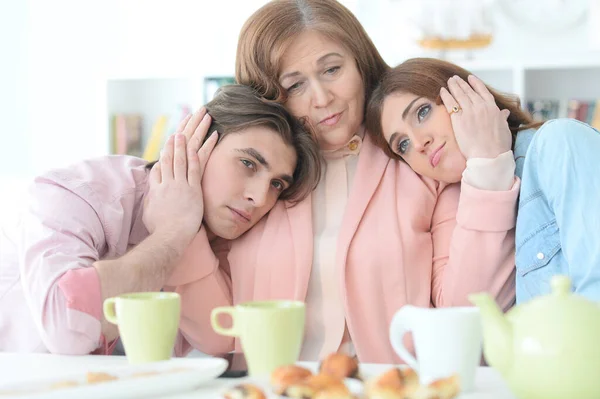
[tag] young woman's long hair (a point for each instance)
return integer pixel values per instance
(425, 77)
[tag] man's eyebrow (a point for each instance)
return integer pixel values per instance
(258, 156)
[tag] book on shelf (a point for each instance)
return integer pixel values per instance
(587, 111)
(163, 127)
(156, 139)
(127, 134)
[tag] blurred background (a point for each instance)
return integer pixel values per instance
(83, 78)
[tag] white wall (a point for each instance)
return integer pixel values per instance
(14, 115)
(57, 56)
(385, 22)
(14, 154)
(60, 54)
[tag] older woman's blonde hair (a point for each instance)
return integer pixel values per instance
(267, 34)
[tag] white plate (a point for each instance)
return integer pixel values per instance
(175, 375)
(356, 387)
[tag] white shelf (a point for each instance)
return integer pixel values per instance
(528, 79)
(152, 98)
(475, 65)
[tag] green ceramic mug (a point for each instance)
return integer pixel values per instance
(270, 332)
(148, 323)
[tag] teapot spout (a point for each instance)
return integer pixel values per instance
(497, 333)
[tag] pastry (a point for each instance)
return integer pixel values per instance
(339, 365)
(390, 379)
(312, 385)
(300, 390)
(386, 393)
(245, 391)
(409, 376)
(394, 383)
(446, 388)
(404, 384)
(324, 381)
(336, 392)
(443, 388)
(395, 378)
(96, 377)
(283, 377)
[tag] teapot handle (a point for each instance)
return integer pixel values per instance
(401, 324)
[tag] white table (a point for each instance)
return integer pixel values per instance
(489, 384)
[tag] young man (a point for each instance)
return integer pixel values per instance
(115, 225)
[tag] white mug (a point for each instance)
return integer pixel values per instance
(447, 341)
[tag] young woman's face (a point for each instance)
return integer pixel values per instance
(323, 85)
(421, 133)
(244, 176)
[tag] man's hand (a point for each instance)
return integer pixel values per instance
(173, 211)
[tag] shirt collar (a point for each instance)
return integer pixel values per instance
(352, 147)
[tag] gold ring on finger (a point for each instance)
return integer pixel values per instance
(455, 109)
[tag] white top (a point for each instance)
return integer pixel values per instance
(325, 316)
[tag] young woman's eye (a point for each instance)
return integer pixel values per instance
(332, 70)
(248, 164)
(423, 112)
(403, 146)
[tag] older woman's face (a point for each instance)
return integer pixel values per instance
(323, 85)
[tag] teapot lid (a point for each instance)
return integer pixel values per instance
(561, 303)
(561, 285)
(551, 318)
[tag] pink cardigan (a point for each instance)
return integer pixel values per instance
(404, 240)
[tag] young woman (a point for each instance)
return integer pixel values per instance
(435, 116)
(114, 225)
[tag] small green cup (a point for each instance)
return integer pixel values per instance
(270, 332)
(148, 324)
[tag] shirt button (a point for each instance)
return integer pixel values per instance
(540, 256)
(353, 145)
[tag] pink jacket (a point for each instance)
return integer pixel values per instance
(404, 240)
(50, 299)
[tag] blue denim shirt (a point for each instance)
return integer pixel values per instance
(558, 223)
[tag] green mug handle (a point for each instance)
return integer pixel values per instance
(230, 310)
(109, 310)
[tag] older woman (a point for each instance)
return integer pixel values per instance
(374, 235)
